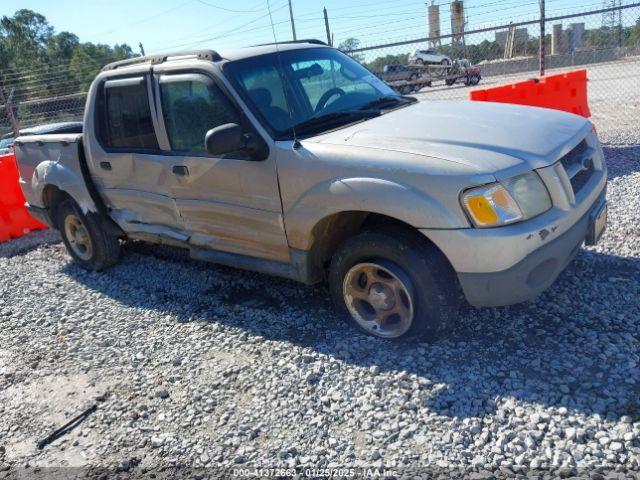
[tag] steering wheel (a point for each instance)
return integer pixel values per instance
(326, 96)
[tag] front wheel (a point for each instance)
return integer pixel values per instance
(394, 285)
(87, 240)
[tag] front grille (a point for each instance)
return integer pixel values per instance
(578, 164)
(581, 178)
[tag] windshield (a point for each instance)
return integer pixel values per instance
(321, 84)
(7, 142)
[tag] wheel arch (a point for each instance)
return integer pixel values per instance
(333, 230)
(354, 199)
(50, 177)
(52, 197)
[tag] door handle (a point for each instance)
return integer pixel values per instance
(105, 165)
(180, 170)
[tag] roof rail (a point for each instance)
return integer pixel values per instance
(307, 40)
(210, 55)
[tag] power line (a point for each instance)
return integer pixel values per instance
(224, 8)
(228, 32)
(147, 19)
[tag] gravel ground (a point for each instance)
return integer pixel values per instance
(198, 365)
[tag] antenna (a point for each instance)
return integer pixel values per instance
(296, 143)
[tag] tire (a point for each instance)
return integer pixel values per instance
(445, 62)
(419, 61)
(86, 237)
(431, 290)
(449, 82)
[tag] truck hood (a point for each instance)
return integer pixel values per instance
(490, 137)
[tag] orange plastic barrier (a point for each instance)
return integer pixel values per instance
(15, 220)
(564, 91)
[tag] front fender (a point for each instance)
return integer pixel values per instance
(363, 194)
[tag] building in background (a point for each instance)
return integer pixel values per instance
(457, 28)
(433, 24)
(513, 41)
(575, 36)
(558, 44)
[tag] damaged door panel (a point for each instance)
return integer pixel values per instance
(229, 202)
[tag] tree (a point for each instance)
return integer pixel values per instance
(60, 46)
(633, 39)
(351, 44)
(24, 38)
(82, 67)
(378, 64)
(37, 64)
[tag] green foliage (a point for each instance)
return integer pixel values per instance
(378, 64)
(633, 39)
(82, 67)
(35, 60)
(41, 68)
(351, 44)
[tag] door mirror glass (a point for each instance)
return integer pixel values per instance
(226, 138)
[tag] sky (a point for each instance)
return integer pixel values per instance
(166, 25)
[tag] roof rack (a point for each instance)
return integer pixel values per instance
(308, 40)
(210, 55)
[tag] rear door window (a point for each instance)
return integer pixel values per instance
(128, 115)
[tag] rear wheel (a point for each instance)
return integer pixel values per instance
(86, 237)
(394, 285)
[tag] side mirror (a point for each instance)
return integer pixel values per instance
(226, 138)
(230, 138)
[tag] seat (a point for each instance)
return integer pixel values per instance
(276, 117)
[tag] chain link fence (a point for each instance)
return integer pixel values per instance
(605, 41)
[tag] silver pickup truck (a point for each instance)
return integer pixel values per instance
(294, 160)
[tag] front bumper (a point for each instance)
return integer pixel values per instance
(532, 275)
(512, 264)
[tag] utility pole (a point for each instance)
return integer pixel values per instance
(326, 27)
(141, 48)
(293, 25)
(542, 37)
(620, 24)
(9, 109)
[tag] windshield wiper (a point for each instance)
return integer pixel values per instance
(387, 101)
(330, 119)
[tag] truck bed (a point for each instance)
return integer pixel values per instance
(56, 161)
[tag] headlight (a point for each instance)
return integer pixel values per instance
(518, 198)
